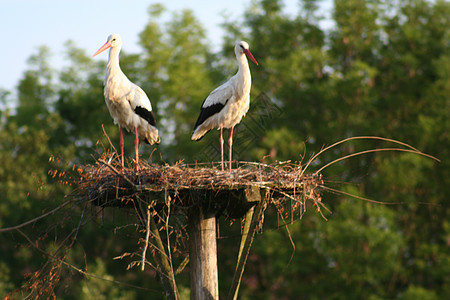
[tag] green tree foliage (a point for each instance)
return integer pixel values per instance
(79, 102)
(382, 68)
(176, 68)
(35, 93)
(94, 288)
(26, 185)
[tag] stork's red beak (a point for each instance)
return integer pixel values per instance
(250, 55)
(102, 48)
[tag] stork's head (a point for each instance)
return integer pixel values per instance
(241, 48)
(113, 41)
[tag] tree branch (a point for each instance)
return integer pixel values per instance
(35, 219)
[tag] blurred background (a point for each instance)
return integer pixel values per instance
(329, 70)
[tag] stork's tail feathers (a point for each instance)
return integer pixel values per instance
(152, 138)
(199, 133)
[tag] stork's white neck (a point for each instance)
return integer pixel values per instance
(243, 63)
(243, 77)
(113, 67)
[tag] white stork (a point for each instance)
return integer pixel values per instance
(128, 104)
(227, 104)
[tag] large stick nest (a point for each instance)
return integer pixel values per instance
(108, 184)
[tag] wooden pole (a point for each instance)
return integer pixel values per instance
(203, 254)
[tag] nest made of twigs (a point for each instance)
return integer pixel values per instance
(111, 185)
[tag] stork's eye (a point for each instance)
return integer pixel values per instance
(242, 47)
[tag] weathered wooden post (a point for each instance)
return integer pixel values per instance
(203, 254)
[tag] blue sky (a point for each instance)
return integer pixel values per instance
(28, 24)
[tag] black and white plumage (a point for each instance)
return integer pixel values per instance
(127, 103)
(227, 104)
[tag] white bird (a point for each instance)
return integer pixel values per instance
(227, 104)
(128, 104)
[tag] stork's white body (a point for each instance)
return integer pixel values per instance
(127, 103)
(123, 97)
(234, 95)
(227, 105)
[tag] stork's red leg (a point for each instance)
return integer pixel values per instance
(121, 147)
(136, 147)
(230, 144)
(221, 146)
